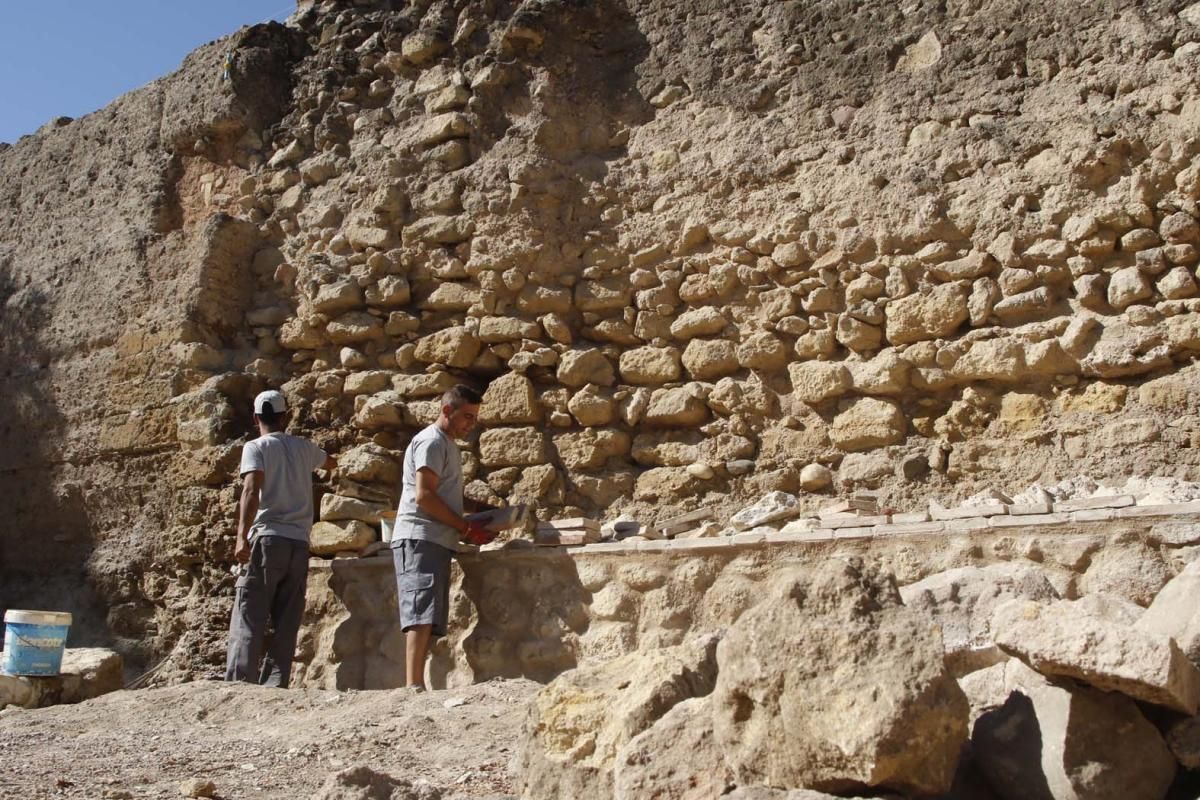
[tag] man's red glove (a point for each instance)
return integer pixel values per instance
(477, 534)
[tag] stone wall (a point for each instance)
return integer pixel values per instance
(537, 612)
(688, 247)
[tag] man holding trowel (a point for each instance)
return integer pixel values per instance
(429, 526)
(275, 516)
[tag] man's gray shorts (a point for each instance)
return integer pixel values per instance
(422, 583)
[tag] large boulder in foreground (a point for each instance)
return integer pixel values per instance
(1057, 740)
(676, 759)
(579, 722)
(963, 600)
(832, 684)
(1175, 612)
(1063, 639)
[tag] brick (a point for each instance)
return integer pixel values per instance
(699, 545)
(1009, 521)
(1027, 509)
(610, 547)
(904, 519)
(968, 512)
(1093, 515)
(970, 524)
(656, 546)
(910, 529)
(853, 521)
(861, 532)
(799, 536)
(1087, 503)
(748, 538)
(1170, 510)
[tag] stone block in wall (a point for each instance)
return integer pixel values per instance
(591, 448)
(650, 366)
(330, 538)
(703, 321)
(336, 508)
(868, 422)
(369, 463)
(815, 381)
(611, 294)
(932, 315)
(884, 374)
(577, 368)
(507, 329)
(454, 347)
(592, 406)
(354, 327)
(510, 400)
(504, 447)
(338, 296)
(763, 351)
(664, 483)
(676, 408)
(708, 359)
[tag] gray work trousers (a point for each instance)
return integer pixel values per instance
(272, 585)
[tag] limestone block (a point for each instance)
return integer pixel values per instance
(451, 296)
(1128, 286)
(329, 538)
(703, 321)
(1060, 741)
(931, 315)
(831, 683)
(868, 422)
(440, 229)
(611, 294)
(857, 335)
(973, 265)
(389, 291)
(815, 477)
(336, 508)
(963, 601)
(984, 295)
(677, 757)
(867, 469)
(778, 303)
(676, 408)
(425, 384)
(442, 128)
(709, 359)
(771, 507)
(1175, 612)
(579, 723)
(400, 322)
(650, 366)
(510, 400)
(762, 351)
(379, 411)
(336, 297)
(578, 368)
(662, 484)
(1062, 639)
(1180, 228)
(512, 447)
(534, 484)
(544, 300)
(590, 406)
(591, 448)
(864, 287)
(1001, 360)
(815, 381)
(1025, 306)
(1177, 284)
(732, 396)
(1092, 291)
(884, 374)
(1133, 571)
(369, 463)
(368, 382)
(454, 347)
(354, 327)
(493, 330)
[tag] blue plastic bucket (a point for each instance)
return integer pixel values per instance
(34, 642)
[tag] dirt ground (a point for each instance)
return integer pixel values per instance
(261, 743)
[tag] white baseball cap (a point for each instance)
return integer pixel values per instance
(271, 401)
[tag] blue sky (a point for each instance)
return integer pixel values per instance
(72, 57)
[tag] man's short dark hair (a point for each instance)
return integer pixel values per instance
(461, 395)
(270, 418)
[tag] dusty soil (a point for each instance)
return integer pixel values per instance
(261, 743)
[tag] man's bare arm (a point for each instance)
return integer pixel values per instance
(247, 509)
(432, 504)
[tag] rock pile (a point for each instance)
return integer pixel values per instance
(833, 683)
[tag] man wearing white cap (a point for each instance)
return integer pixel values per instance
(275, 516)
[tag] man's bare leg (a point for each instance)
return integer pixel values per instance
(416, 647)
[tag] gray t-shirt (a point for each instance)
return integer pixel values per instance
(285, 505)
(434, 450)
